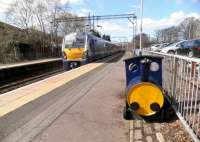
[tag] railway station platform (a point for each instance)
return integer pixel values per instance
(14, 75)
(84, 104)
(28, 63)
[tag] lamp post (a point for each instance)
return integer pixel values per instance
(135, 33)
(133, 42)
(134, 23)
(141, 24)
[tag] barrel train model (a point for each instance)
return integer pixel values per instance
(145, 96)
(80, 48)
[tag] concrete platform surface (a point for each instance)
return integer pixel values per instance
(17, 98)
(97, 116)
(25, 112)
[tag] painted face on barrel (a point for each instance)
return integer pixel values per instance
(145, 99)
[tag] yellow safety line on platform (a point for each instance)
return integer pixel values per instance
(17, 98)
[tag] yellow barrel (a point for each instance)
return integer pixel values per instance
(145, 99)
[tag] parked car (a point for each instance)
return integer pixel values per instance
(158, 47)
(171, 48)
(190, 48)
(163, 45)
(155, 47)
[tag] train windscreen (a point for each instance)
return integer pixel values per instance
(78, 42)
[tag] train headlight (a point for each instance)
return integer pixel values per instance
(85, 54)
(64, 55)
(145, 99)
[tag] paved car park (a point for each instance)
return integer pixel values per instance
(189, 48)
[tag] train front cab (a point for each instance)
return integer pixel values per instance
(144, 94)
(73, 57)
(74, 52)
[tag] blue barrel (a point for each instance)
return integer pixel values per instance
(144, 93)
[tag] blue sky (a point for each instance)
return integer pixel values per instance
(152, 8)
(157, 13)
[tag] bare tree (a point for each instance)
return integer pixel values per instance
(190, 28)
(71, 26)
(38, 19)
(55, 11)
(158, 35)
(40, 11)
(20, 13)
(170, 34)
(145, 40)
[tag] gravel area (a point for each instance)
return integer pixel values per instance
(175, 132)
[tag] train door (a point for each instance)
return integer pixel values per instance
(92, 48)
(98, 48)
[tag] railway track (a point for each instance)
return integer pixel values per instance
(27, 80)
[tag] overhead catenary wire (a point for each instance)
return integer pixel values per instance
(96, 18)
(131, 17)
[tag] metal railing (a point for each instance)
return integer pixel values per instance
(181, 80)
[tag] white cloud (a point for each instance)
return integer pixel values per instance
(71, 1)
(135, 6)
(182, 1)
(110, 27)
(4, 5)
(174, 19)
(83, 12)
(120, 28)
(195, 15)
(115, 29)
(195, 1)
(179, 1)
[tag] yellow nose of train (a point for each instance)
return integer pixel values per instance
(74, 53)
(145, 99)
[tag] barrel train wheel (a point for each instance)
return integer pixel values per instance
(127, 114)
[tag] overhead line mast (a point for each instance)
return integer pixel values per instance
(131, 17)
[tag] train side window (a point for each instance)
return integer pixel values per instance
(133, 67)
